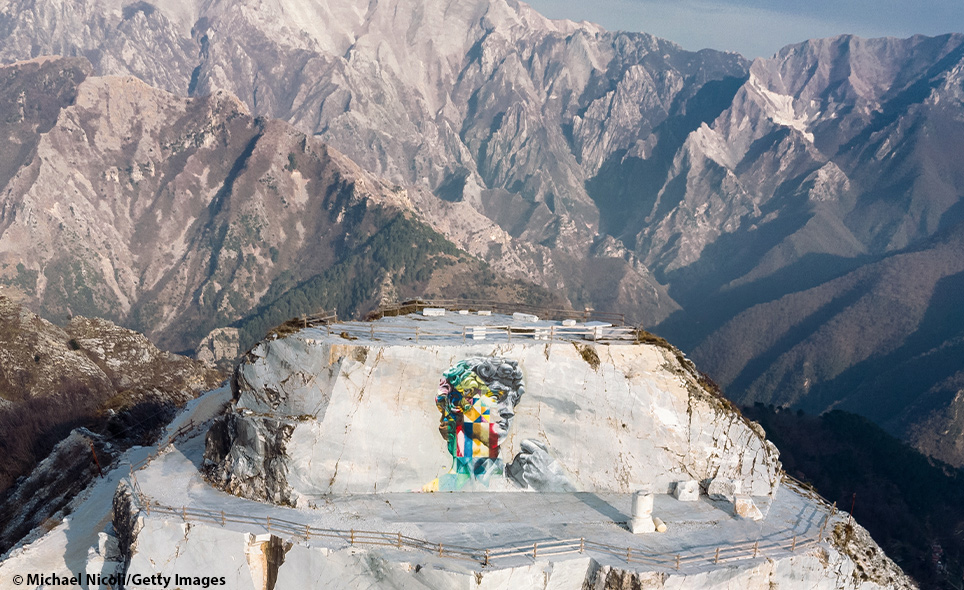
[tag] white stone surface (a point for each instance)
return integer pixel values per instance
(722, 488)
(433, 312)
(642, 504)
(745, 508)
(525, 317)
(687, 491)
(364, 417)
(642, 525)
(165, 545)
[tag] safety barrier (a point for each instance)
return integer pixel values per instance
(352, 537)
(373, 332)
(546, 313)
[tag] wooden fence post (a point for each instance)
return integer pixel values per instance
(222, 518)
(535, 550)
(100, 472)
(717, 558)
(629, 554)
(307, 532)
(351, 537)
(399, 539)
(440, 550)
(677, 561)
(755, 546)
(582, 544)
(793, 545)
(833, 509)
(486, 562)
(269, 524)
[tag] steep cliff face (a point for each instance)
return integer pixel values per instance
(180, 216)
(498, 107)
(315, 415)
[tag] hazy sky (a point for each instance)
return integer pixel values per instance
(758, 28)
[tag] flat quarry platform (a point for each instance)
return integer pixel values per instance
(501, 521)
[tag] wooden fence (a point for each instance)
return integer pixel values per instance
(352, 537)
(373, 331)
(486, 556)
(546, 313)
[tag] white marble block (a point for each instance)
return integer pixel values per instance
(687, 491)
(723, 489)
(525, 317)
(745, 508)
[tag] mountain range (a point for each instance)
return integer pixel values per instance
(793, 223)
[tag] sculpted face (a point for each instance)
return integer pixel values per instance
(477, 397)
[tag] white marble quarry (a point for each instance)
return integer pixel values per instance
(362, 416)
(687, 491)
(206, 533)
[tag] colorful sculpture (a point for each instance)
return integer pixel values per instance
(477, 399)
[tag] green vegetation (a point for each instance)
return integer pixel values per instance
(26, 279)
(407, 250)
(74, 285)
(913, 506)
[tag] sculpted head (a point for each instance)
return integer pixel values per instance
(477, 398)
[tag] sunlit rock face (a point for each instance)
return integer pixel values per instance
(317, 414)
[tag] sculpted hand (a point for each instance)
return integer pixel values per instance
(535, 468)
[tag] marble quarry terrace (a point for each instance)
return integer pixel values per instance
(405, 498)
(459, 450)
